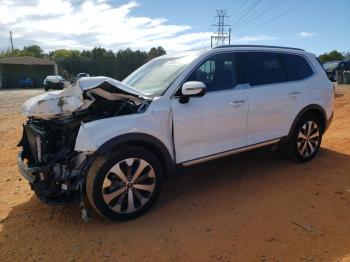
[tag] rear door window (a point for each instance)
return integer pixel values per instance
(297, 67)
(262, 68)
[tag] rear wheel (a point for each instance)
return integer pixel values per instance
(334, 76)
(306, 139)
(124, 185)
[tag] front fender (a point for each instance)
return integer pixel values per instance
(93, 135)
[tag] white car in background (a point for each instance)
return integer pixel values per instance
(80, 75)
(53, 82)
(115, 141)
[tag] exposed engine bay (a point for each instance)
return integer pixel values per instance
(54, 170)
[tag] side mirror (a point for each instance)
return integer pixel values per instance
(192, 88)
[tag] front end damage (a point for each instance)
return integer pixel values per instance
(47, 158)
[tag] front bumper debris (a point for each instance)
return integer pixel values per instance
(46, 187)
(29, 173)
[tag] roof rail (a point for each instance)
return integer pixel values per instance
(265, 46)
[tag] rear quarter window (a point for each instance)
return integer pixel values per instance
(297, 67)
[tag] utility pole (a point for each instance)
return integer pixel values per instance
(220, 36)
(11, 41)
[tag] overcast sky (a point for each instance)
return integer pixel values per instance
(316, 25)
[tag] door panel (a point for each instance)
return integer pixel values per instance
(210, 124)
(271, 110)
(272, 100)
(217, 121)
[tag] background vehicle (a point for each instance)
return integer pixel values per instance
(26, 82)
(81, 75)
(117, 141)
(53, 82)
(332, 67)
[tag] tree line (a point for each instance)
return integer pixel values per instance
(334, 56)
(100, 61)
(97, 61)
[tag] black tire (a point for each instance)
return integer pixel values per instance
(311, 145)
(334, 76)
(100, 172)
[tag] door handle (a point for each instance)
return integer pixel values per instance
(294, 94)
(237, 103)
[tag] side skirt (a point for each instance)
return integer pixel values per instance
(228, 153)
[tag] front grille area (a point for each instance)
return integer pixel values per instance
(34, 143)
(48, 151)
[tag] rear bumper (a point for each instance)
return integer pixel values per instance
(54, 85)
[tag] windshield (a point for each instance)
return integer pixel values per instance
(156, 76)
(330, 65)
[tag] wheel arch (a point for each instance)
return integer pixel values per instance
(148, 142)
(313, 109)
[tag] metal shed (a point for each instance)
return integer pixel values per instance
(13, 68)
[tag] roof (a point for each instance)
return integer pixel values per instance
(199, 52)
(26, 60)
(262, 46)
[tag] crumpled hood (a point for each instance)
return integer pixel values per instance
(87, 83)
(56, 104)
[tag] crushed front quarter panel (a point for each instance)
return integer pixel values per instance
(156, 122)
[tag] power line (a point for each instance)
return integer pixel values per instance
(233, 4)
(251, 8)
(264, 10)
(278, 16)
(239, 8)
(243, 5)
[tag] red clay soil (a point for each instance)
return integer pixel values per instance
(257, 206)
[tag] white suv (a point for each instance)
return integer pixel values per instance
(115, 142)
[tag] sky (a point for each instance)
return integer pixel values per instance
(315, 25)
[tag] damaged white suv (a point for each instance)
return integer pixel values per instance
(115, 142)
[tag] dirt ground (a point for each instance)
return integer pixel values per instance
(257, 206)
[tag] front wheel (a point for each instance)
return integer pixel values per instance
(306, 139)
(124, 185)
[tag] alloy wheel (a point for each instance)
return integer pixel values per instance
(128, 185)
(308, 139)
